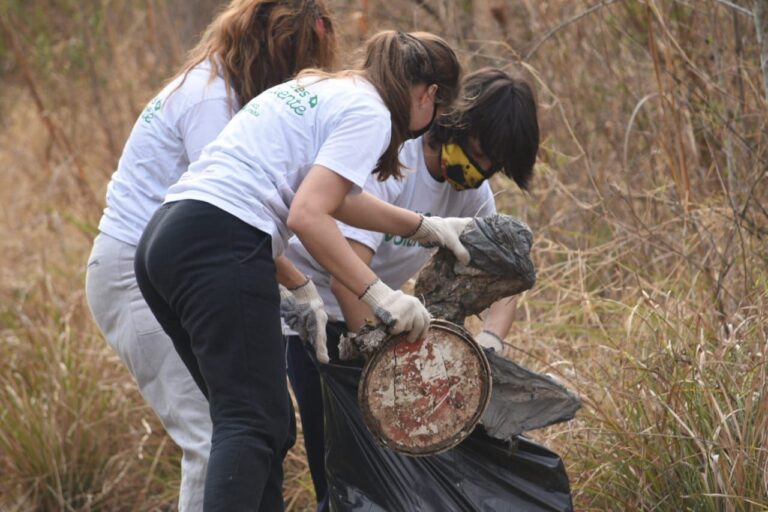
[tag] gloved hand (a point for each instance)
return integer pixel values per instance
(303, 310)
(399, 312)
(487, 339)
(443, 232)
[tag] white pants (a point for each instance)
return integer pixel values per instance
(165, 383)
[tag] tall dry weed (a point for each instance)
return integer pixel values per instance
(649, 209)
(651, 249)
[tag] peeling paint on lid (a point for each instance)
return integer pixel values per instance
(425, 397)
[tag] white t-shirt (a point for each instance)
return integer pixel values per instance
(169, 134)
(253, 169)
(397, 259)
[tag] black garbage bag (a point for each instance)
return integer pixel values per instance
(500, 245)
(501, 266)
(480, 474)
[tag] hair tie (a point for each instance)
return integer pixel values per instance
(320, 26)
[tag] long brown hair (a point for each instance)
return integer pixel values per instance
(255, 44)
(394, 62)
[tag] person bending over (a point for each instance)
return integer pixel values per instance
(294, 159)
(251, 46)
(492, 128)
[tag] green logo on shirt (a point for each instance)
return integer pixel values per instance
(401, 241)
(252, 108)
(295, 98)
(149, 112)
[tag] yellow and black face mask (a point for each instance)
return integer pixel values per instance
(460, 170)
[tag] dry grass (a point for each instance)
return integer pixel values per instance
(649, 210)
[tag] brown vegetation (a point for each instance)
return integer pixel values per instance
(649, 209)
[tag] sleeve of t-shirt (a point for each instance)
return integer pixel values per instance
(356, 142)
(481, 204)
(388, 191)
(201, 124)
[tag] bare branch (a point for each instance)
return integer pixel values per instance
(564, 24)
(735, 7)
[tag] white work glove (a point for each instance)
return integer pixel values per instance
(399, 312)
(303, 310)
(443, 232)
(487, 339)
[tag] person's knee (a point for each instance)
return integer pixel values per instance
(273, 430)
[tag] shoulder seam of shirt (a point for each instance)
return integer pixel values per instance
(200, 102)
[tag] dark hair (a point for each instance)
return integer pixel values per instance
(500, 110)
(256, 44)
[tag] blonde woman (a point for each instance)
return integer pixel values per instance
(251, 46)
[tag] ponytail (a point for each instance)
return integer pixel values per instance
(396, 61)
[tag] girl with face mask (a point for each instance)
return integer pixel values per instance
(492, 127)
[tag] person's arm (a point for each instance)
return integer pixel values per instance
(354, 310)
(310, 217)
(500, 315)
(366, 211)
(369, 212)
(320, 198)
(302, 307)
(497, 323)
(287, 274)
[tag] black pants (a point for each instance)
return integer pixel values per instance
(209, 278)
(305, 381)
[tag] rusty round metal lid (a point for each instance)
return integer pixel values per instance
(425, 397)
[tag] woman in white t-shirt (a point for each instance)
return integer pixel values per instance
(293, 159)
(493, 127)
(251, 46)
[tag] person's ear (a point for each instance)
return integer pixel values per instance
(431, 92)
(428, 96)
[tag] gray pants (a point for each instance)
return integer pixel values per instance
(165, 383)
